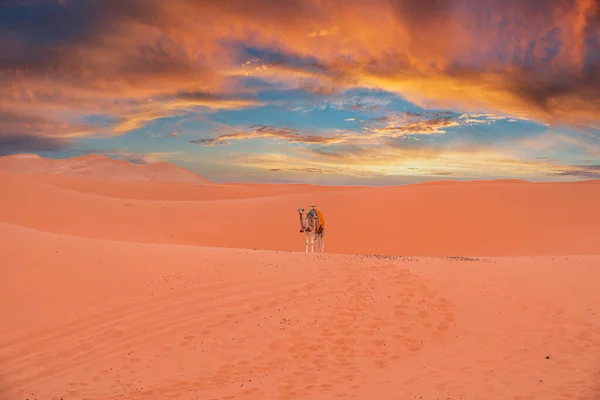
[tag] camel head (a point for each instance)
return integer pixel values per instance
(301, 210)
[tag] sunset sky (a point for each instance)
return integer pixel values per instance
(316, 91)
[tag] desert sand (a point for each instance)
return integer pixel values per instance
(126, 282)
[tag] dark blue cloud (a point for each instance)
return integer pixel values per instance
(48, 23)
(40, 34)
(580, 171)
(30, 143)
(275, 57)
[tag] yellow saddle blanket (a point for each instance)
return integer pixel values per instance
(321, 219)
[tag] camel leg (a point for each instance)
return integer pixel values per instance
(322, 243)
(306, 241)
(312, 243)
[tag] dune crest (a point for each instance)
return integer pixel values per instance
(166, 172)
(99, 167)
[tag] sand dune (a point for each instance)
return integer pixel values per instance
(477, 219)
(84, 318)
(138, 289)
(172, 190)
(26, 164)
(98, 167)
(165, 172)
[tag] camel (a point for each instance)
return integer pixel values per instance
(312, 229)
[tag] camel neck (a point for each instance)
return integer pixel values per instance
(301, 220)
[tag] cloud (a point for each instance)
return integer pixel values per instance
(552, 143)
(414, 125)
(396, 126)
(482, 54)
(426, 161)
(212, 100)
(269, 132)
(396, 157)
(579, 171)
(324, 32)
(28, 143)
(145, 61)
(277, 162)
(138, 158)
(393, 158)
(17, 121)
(33, 131)
(461, 54)
(137, 114)
(92, 57)
(311, 170)
(373, 131)
(211, 142)
(174, 134)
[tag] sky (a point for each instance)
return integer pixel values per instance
(371, 92)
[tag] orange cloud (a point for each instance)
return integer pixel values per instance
(269, 132)
(397, 126)
(374, 131)
(394, 161)
(517, 57)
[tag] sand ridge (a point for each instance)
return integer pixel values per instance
(173, 290)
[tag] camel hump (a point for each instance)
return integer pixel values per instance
(321, 219)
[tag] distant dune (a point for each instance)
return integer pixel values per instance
(98, 167)
(146, 282)
(165, 172)
(26, 164)
(97, 197)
